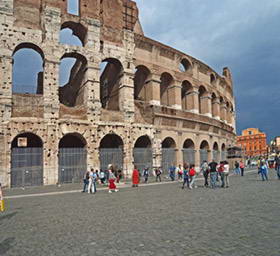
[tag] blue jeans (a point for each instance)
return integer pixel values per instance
(278, 171)
(85, 185)
(186, 180)
(264, 175)
(213, 179)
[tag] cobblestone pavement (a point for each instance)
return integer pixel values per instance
(150, 220)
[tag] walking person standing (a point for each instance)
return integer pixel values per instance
(185, 175)
(86, 181)
(277, 165)
(237, 168)
(135, 177)
(225, 175)
(112, 179)
(158, 174)
(146, 174)
(263, 171)
(172, 170)
(192, 174)
(180, 172)
(213, 173)
(205, 170)
(242, 166)
(92, 182)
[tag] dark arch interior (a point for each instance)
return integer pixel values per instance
(111, 141)
(140, 80)
(215, 147)
(202, 91)
(143, 142)
(212, 78)
(72, 141)
(185, 65)
(33, 141)
(223, 147)
(188, 144)
(204, 145)
(73, 33)
(168, 143)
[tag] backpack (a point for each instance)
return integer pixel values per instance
(87, 176)
(192, 172)
(221, 168)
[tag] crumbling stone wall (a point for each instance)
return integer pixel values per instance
(107, 30)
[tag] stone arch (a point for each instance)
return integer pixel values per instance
(110, 81)
(186, 91)
(166, 80)
(228, 113)
(189, 151)
(215, 152)
(223, 152)
(204, 151)
(213, 79)
(72, 79)
(203, 98)
(141, 79)
(73, 33)
(72, 158)
(185, 65)
(111, 151)
(168, 147)
(215, 105)
(143, 153)
(26, 160)
(28, 69)
(222, 108)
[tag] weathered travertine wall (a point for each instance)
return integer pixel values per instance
(192, 104)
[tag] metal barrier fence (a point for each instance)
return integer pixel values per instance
(112, 156)
(203, 155)
(143, 158)
(26, 167)
(188, 156)
(215, 156)
(168, 158)
(223, 155)
(72, 164)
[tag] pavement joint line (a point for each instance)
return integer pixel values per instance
(100, 189)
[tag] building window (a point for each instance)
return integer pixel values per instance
(73, 7)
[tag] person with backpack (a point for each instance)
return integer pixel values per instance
(205, 171)
(242, 166)
(237, 168)
(277, 165)
(186, 176)
(225, 175)
(172, 171)
(102, 177)
(213, 173)
(92, 181)
(180, 172)
(192, 174)
(220, 169)
(263, 171)
(146, 174)
(86, 181)
(158, 173)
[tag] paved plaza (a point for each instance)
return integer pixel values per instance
(149, 220)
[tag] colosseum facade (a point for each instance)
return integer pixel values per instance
(129, 99)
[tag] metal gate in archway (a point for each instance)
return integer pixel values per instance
(203, 155)
(189, 155)
(143, 158)
(215, 155)
(168, 158)
(223, 155)
(72, 164)
(26, 167)
(112, 156)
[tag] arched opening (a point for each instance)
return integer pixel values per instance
(110, 81)
(111, 152)
(215, 152)
(187, 88)
(72, 33)
(212, 79)
(185, 65)
(166, 81)
(223, 152)
(72, 158)
(26, 160)
(203, 108)
(72, 80)
(204, 151)
(73, 7)
(228, 113)
(168, 148)
(143, 153)
(189, 152)
(28, 69)
(141, 79)
(215, 105)
(222, 109)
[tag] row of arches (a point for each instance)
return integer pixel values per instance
(27, 156)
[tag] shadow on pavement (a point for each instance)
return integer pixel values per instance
(6, 245)
(7, 216)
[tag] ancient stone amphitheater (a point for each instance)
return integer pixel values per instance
(128, 99)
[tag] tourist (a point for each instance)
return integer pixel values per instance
(192, 174)
(86, 181)
(146, 174)
(135, 177)
(205, 170)
(185, 175)
(237, 168)
(112, 179)
(102, 177)
(220, 169)
(172, 171)
(277, 165)
(180, 172)
(213, 173)
(92, 182)
(158, 173)
(119, 175)
(225, 175)
(263, 171)
(242, 166)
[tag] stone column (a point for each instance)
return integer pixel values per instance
(174, 96)
(126, 96)
(216, 109)
(153, 90)
(206, 105)
(223, 111)
(192, 101)
(197, 157)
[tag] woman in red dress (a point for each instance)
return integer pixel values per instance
(112, 178)
(135, 177)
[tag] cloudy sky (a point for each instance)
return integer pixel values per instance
(241, 34)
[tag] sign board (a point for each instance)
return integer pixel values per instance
(22, 142)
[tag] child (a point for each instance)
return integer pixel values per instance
(192, 174)
(112, 185)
